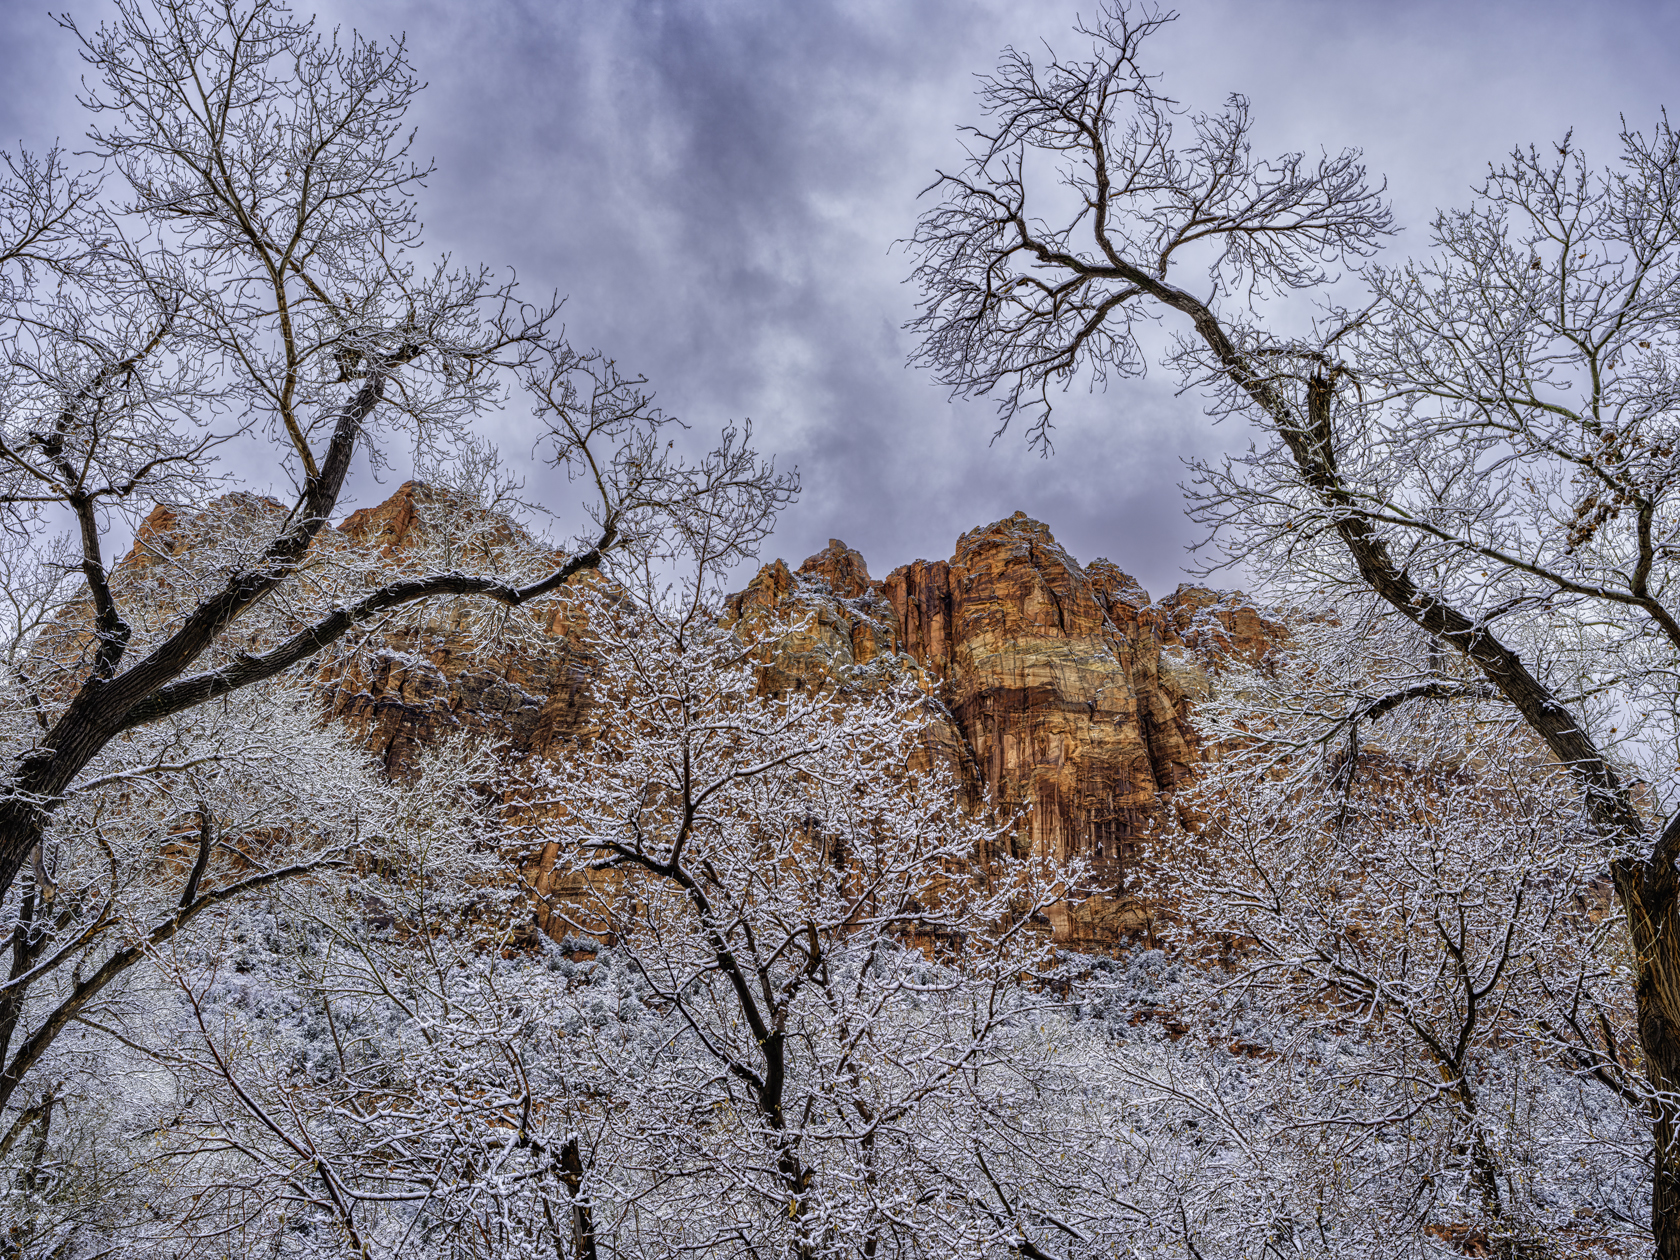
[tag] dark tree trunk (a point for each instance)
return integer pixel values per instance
(1649, 889)
(1648, 894)
(583, 1220)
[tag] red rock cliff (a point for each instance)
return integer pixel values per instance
(1062, 691)
(1067, 688)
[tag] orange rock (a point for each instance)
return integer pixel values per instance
(842, 568)
(1056, 691)
(1065, 689)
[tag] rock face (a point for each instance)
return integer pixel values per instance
(433, 678)
(1059, 693)
(1067, 689)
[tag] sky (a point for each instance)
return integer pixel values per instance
(717, 186)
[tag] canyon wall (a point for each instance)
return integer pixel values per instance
(1059, 693)
(1064, 689)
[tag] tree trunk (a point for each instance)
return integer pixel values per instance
(1661, 1038)
(1648, 893)
(1648, 889)
(583, 1219)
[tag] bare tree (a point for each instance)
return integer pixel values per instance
(808, 910)
(1423, 878)
(245, 276)
(1486, 447)
(206, 812)
(790, 1001)
(259, 279)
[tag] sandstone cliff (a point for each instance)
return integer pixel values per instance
(1058, 692)
(1065, 688)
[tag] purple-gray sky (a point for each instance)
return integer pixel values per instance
(717, 184)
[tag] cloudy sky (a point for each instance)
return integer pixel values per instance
(716, 185)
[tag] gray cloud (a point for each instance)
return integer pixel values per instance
(716, 185)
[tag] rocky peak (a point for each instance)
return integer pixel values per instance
(1219, 625)
(842, 568)
(170, 530)
(1067, 687)
(393, 524)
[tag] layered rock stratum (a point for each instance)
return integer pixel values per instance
(1065, 688)
(1059, 693)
